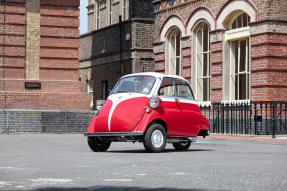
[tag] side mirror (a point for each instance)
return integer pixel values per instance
(99, 104)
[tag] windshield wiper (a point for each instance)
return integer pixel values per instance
(122, 91)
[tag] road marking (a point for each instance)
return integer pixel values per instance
(118, 180)
(9, 168)
(44, 181)
(177, 173)
(19, 186)
(3, 183)
(142, 174)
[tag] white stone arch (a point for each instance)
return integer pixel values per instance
(201, 14)
(172, 22)
(233, 6)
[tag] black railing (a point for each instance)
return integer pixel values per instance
(257, 118)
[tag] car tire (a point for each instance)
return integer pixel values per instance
(183, 146)
(155, 138)
(97, 145)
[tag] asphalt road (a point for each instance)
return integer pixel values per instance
(64, 162)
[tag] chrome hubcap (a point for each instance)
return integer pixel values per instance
(157, 138)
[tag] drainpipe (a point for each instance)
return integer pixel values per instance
(121, 45)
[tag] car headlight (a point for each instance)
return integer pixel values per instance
(154, 102)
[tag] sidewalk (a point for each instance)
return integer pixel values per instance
(262, 138)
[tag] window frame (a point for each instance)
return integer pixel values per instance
(175, 89)
(232, 36)
(177, 49)
(200, 75)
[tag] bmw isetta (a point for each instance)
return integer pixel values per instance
(151, 108)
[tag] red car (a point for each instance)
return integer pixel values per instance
(151, 108)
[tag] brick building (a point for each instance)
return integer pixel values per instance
(230, 50)
(113, 48)
(39, 62)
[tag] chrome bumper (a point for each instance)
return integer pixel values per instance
(113, 134)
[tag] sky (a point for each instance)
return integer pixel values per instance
(83, 16)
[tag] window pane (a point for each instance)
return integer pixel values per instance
(236, 88)
(199, 40)
(177, 45)
(183, 91)
(247, 41)
(166, 87)
(205, 38)
(245, 20)
(239, 21)
(206, 89)
(172, 43)
(177, 66)
(242, 87)
(234, 25)
(242, 55)
(236, 56)
(205, 65)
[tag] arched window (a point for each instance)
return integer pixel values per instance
(202, 62)
(236, 58)
(174, 53)
(240, 21)
(240, 59)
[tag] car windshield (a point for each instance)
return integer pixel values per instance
(134, 84)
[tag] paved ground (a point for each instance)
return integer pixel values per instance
(64, 162)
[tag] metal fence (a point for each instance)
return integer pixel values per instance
(257, 118)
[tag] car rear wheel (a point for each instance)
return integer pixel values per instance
(98, 145)
(155, 138)
(182, 146)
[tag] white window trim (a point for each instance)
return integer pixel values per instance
(204, 103)
(236, 34)
(236, 102)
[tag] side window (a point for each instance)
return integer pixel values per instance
(167, 88)
(182, 89)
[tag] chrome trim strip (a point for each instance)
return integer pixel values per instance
(112, 134)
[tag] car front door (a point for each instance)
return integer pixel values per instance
(189, 111)
(178, 108)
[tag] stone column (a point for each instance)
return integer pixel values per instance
(32, 39)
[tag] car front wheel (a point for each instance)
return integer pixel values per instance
(155, 138)
(98, 145)
(183, 146)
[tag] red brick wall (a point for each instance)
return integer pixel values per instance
(269, 67)
(59, 54)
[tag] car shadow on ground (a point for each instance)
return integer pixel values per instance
(165, 151)
(114, 188)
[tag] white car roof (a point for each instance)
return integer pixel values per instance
(155, 74)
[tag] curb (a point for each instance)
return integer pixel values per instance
(247, 138)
